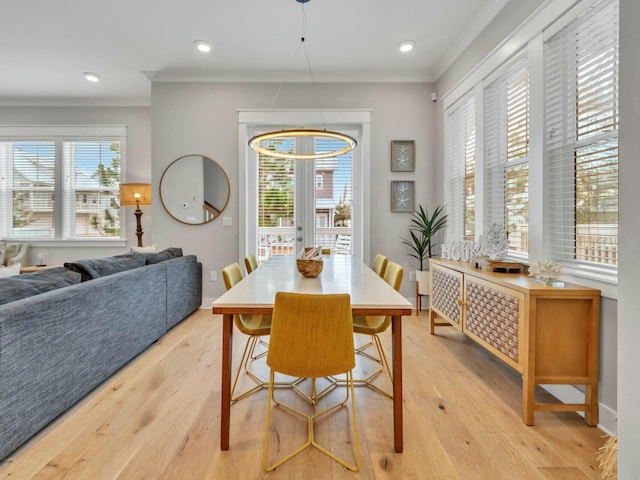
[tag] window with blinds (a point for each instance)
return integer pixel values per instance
(333, 199)
(507, 155)
(582, 139)
(54, 189)
(460, 137)
(91, 189)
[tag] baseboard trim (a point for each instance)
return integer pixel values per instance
(206, 303)
(570, 394)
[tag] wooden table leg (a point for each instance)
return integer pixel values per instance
(225, 400)
(396, 349)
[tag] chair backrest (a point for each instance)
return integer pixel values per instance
(380, 264)
(393, 275)
(231, 275)
(250, 263)
(311, 335)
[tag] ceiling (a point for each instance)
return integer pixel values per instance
(46, 46)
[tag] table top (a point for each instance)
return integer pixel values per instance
(340, 274)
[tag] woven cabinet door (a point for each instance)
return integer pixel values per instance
(494, 317)
(446, 295)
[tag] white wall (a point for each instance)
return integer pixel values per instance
(628, 317)
(137, 167)
(202, 118)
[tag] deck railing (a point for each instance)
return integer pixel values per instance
(282, 240)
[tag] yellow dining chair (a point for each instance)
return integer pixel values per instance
(253, 325)
(379, 264)
(250, 263)
(373, 325)
(311, 336)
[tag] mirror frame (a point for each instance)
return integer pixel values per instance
(204, 157)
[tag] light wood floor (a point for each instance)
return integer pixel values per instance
(158, 418)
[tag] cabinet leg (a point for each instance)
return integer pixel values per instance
(591, 400)
(528, 400)
(432, 321)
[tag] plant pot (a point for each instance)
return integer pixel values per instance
(424, 282)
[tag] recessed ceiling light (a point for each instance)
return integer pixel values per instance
(91, 77)
(202, 46)
(407, 46)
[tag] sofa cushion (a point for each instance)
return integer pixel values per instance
(29, 284)
(171, 252)
(101, 267)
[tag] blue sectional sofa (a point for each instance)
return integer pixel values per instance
(56, 346)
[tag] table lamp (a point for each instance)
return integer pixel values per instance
(136, 194)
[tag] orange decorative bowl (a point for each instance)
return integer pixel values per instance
(309, 268)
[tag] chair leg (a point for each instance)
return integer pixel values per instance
(310, 419)
(248, 354)
(382, 359)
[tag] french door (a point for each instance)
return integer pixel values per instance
(302, 203)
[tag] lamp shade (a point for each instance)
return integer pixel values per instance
(132, 192)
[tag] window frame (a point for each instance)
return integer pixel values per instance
(59, 134)
(563, 143)
(527, 39)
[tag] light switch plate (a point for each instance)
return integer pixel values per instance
(227, 222)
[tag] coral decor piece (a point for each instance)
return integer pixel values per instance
(545, 270)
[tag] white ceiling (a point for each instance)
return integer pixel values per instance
(45, 46)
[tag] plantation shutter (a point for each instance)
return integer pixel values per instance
(581, 65)
(460, 158)
(27, 189)
(507, 154)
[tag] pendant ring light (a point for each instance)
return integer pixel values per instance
(261, 142)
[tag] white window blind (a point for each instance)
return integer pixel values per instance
(460, 142)
(28, 183)
(275, 203)
(60, 182)
(581, 64)
(91, 189)
(333, 198)
(507, 155)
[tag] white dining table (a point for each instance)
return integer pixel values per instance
(255, 294)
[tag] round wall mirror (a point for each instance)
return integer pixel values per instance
(194, 189)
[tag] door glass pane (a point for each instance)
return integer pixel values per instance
(333, 199)
(276, 193)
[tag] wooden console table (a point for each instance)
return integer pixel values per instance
(548, 334)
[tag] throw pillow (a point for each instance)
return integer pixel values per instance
(101, 267)
(149, 249)
(171, 252)
(10, 271)
(29, 284)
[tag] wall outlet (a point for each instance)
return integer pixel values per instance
(213, 276)
(412, 276)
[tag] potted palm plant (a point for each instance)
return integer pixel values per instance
(422, 231)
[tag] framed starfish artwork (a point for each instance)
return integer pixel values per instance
(402, 196)
(403, 154)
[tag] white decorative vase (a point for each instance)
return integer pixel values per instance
(424, 283)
